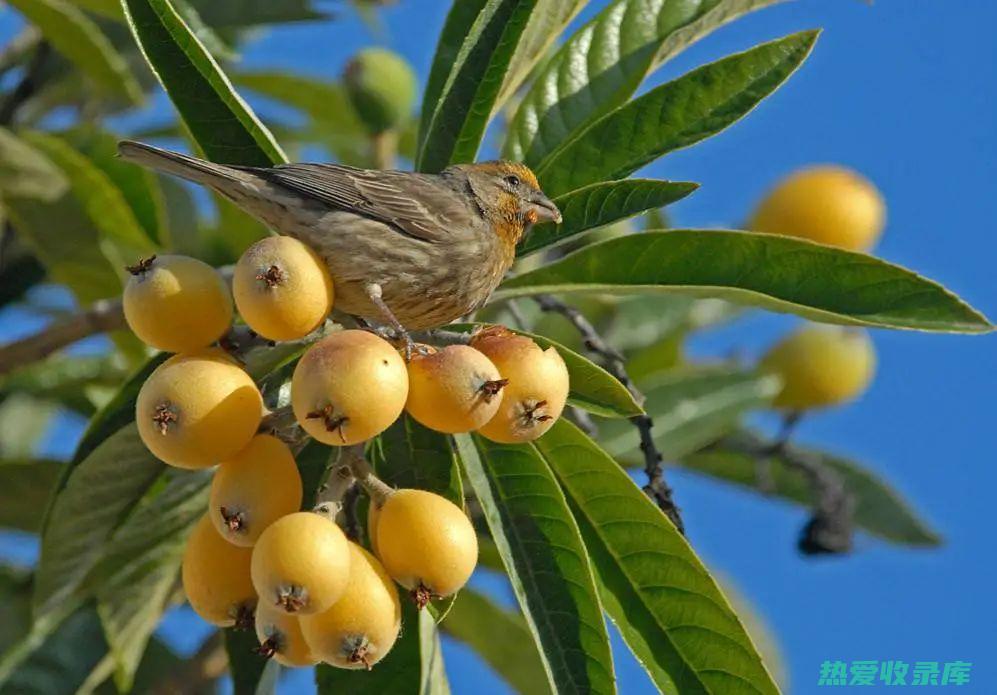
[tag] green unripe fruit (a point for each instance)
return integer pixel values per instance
(382, 88)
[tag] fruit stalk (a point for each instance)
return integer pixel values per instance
(332, 493)
(377, 489)
(277, 421)
(656, 488)
(830, 528)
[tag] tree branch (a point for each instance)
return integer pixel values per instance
(830, 528)
(104, 315)
(656, 487)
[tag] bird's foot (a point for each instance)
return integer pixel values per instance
(400, 334)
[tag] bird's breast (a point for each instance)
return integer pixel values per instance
(425, 284)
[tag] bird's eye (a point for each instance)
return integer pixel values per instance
(512, 181)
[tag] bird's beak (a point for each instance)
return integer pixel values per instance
(543, 210)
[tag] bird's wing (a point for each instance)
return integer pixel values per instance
(417, 205)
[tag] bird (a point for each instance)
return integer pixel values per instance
(413, 250)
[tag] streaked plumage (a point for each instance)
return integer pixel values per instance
(436, 245)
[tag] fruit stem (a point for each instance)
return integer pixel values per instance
(277, 420)
(378, 490)
(338, 480)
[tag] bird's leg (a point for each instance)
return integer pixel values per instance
(374, 294)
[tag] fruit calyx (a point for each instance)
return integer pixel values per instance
(272, 276)
(531, 414)
(164, 416)
(235, 521)
(292, 598)
(491, 388)
(245, 617)
(333, 422)
(268, 647)
(359, 649)
(421, 595)
(142, 267)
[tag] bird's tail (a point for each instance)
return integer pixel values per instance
(217, 176)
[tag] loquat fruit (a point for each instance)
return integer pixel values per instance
(282, 288)
(426, 542)
(281, 638)
(301, 563)
(381, 87)
(348, 388)
(828, 204)
(362, 626)
(176, 303)
(197, 409)
(216, 579)
(456, 389)
(821, 366)
(254, 488)
(537, 387)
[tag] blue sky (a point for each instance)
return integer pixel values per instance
(901, 90)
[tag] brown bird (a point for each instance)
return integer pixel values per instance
(416, 250)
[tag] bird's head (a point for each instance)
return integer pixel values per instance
(509, 192)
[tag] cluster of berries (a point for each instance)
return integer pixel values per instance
(254, 557)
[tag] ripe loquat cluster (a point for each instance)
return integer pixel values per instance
(256, 558)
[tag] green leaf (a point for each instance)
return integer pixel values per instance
(675, 115)
(501, 637)
(879, 509)
(78, 37)
(457, 116)
(54, 662)
(27, 173)
(691, 408)
(51, 222)
(139, 187)
(778, 273)
(592, 388)
(97, 497)
(66, 379)
(248, 13)
(546, 561)
(414, 665)
(546, 24)
(23, 422)
(25, 486)
(334, 121)
(251, 673)
(601, 204)
(138, 573)
(408, 455)
(109, 9)
(121, 237)
(600, 67)
(669, 610)
(15, 605)
(459, 22)
(214, 44)
(221, 123)
(643, 321)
